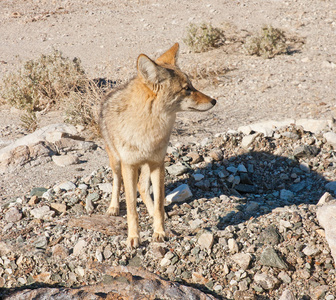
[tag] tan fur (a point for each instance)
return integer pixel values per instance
(136, 123)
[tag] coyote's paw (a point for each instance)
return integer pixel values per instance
(133, 242)
(159, 236)
(113, 211)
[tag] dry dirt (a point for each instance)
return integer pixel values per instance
(109, 35)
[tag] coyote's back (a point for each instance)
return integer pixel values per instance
(136, 123)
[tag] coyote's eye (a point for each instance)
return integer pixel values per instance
(187, 88)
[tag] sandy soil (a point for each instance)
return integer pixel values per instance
(109, 35)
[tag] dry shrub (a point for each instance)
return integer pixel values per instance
(42, 83)
(268, 43)
(29, 121)
(203, 37)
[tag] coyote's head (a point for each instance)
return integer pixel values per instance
(170, 85)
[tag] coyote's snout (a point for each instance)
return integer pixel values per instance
(136, 123)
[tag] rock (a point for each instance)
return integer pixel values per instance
(195, 223)
(326, 215)
(80, 247)
(314, 126)
(233, 246)
(331, 186)
(251, 207)
(242, 259)
(287, 295)
(246, 130)
(244, 295)
(198, 177)
(13, 215)
(266, 281)
(65, 160)
(195, 157)
(311, 251)
(319, 291)
(270, 258)
(42, 212)
(198, 278)
(105, 187)
(127, 283)
(284, 277)
(331, 138)
(286, 194)
(206, 240)
(33, 200)
(248, 140)
(326, 197)
(165, 262)
(67, 186)
(89, 205)
(305, 151)
(177, 170)
(181, 193)
(241, 168)
(4, 248)
(60, 251)
(59, 207)
(41, 242)
(38, 191)
(246, 188)
(216, 155)
(270, 236)
(93, 197)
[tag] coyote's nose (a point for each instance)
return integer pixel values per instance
(213, 102)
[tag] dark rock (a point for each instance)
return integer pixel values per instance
(270, 258)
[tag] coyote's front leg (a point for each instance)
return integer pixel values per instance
(157, 177)
(130, 177)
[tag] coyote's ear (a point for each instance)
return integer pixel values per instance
(170, 56)
(149, 70)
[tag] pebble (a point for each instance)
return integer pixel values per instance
(270, 258)
(65, 160)
(266, 281)
(13, 215)
(67, 186)
(311, 251)
(80, 247)
(105, 187)
(242, 259)
(233, 246)
(180, 194)
(42, 212)
(286, 194)
(198, 177)
(287, 295)
(206, 240)
(177, 170)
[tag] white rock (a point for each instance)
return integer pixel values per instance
(80, 247)
(233, 246)
(105, 187)
(242, 259)
(245, 129)
(248, 140)
(326, 197)
(266, 281)
(165, 262)
(311, 250)
(206, 240)
(42, 212)
(326, 215)
(312, 125)
(67, 186)
(287, 295)
(331, 138)
(65, 160)
(195, 223)
(180, 194)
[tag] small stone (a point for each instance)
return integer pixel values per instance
(284, 277)
(38, 191)
(233, 246)
(80, 271)
(270, 236)
(13, 215)
(331, 186)
(99, 255)
(266, 281)
(198, 177)
(59, 207)
(80, 247)
(67, 186)
(105, 187)
(165, 262)
(180, 194)
(195, 223)
(89, 205)
(158, 250)
(33, 200)
(241, 168)
(325, 198)
(47, 195)
(196, 158)
(107, 252)
(65, 160)
(177, 170)
(242, 259)
(232, 169)
(248, 140)
(42, 212)
(331, 138)
(198, 278)
(286, 194)
(216, 155)
(41, 242)
(311, 251)
(206, 240)
(60, 251)
(270, 258)
(319, 291)
(93, 197)
(287, 295)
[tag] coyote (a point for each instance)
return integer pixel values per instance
(136, 122)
